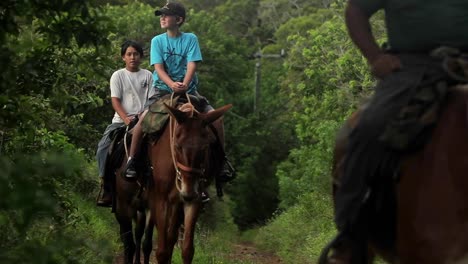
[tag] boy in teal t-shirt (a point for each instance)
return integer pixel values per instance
(175, 55)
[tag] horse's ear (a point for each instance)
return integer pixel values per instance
(213, 115)
(175, 113)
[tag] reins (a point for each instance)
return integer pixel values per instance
(187, 107)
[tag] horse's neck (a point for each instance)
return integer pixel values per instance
(433, 197)
(459, 97)
(448, 143)
(452, 124)
(160, 151)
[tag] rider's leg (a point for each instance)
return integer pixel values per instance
(219, 125)
(137, 135)
(367, 158)
(367, 155)
(227, 172)
(105, 194)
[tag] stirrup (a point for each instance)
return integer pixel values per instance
(130, 170)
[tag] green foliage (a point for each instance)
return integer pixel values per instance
(205, 5)
(53, 59)
(325, 95)
(326, 79)
(134, 21)
(275, 13)
(41, 84)
(38, 213)
(239, 18)
(74, 19)
(259, 142)
(224, 67)
(299, 234)
(300, 25)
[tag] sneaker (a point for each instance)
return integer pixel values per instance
(204, 197)
(130, 171)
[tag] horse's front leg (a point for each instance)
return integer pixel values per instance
(126, 235)
(148, 240)
(175, 219)
(139, 231)
(167, 223)
(191, 211)
(159, 213)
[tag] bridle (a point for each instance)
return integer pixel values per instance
(179, 167)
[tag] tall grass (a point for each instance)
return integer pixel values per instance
(299, 234)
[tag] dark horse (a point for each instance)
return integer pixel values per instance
(184, 163)
(130, 204)
(430, 220)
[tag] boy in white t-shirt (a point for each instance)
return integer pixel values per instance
(130, 89)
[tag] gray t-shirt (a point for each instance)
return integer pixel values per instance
(422, 25)
(133, 89)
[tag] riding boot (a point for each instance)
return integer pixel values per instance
(219, 189)
(227, 173)
(105, 195)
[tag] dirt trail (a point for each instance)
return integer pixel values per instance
(248, 253)
(120, 259)
(242, 252)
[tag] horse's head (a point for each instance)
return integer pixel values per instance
(190, 144)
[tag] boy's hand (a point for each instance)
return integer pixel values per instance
(128, 119)
(384, 64)
(179, 87)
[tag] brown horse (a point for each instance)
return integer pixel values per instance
(431, 220)
(184, 163)
(130, 206)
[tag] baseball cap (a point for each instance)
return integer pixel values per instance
(171, 9)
